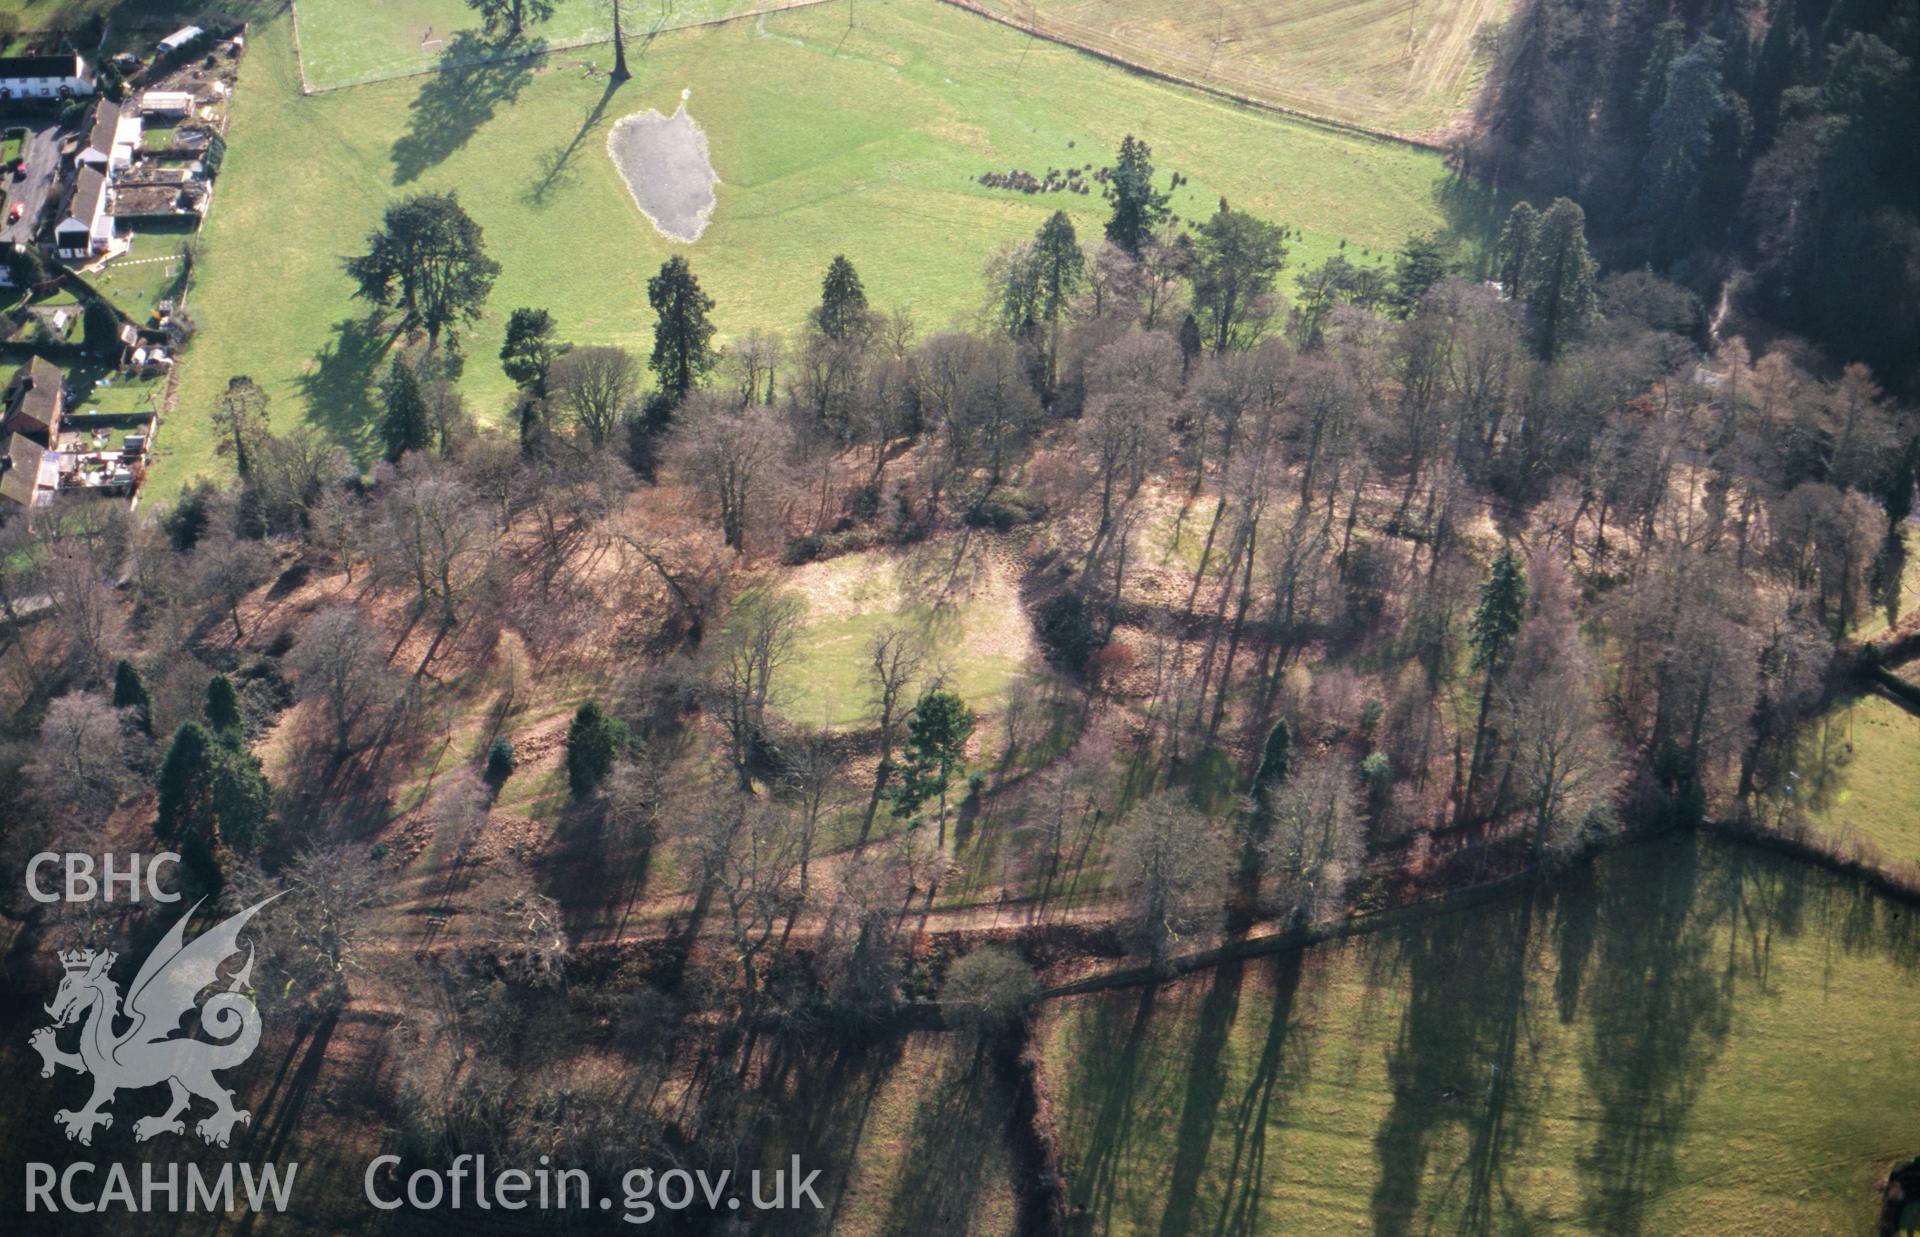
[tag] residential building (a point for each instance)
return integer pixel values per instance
(45, 77)
(35, 400)
(85, 228)
(113, 139)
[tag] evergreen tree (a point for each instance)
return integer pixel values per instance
(405, 425)
(510, 18)
(1059, 265)
(843, 301)
(1669, 37)
(1276, 758)
(428, 260)
(937, 733)
(242, 799)
(1190, 342)
(1138, 208)
(1558, 284)
(223, 705)
(1680, 137)
(186, 777)
(1041, 282)
(1779, 65)
(211, 796)
(1496, 621)
(1514, 250)
(1236, 259)
(593, 740)
(501, 761)
(529, 349)
(683, 334)
(130, 693)
(1421, 263)
(1503, 603)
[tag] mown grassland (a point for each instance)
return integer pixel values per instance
(1858, 777)
(345, 42)
(909, 1136)
(1682, 1037)
(956, 596)
(827, 139)
(1382, 64)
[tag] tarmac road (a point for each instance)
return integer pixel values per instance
(42, 178)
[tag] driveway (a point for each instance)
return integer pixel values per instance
(42, 178)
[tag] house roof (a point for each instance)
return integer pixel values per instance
(67, 64)
(106, 126)
(37, 393)
(88, 189)
(31, 470)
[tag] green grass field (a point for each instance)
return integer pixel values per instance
(867, 141)
(1684, 1037)
(349, 42)
(1858, 775)
(910, 1138)
(952, 593)
(1382, 64)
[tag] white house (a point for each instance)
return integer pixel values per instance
(113, 139)
(85, 227)
(44, 77)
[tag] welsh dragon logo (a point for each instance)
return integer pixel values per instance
(144, 1055)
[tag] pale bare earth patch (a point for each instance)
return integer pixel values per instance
(664, 161)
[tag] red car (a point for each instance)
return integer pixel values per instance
(15, 211)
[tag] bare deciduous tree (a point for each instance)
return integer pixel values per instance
(756, 643)
(1170, 862)
(339, 662)
(79, 768)
(595, 387)
(748, 852)
(434, 536)
(321, 941)
(894, 660)
(728, 454)
(1315, 835)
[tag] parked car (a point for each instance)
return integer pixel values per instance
(15, 211)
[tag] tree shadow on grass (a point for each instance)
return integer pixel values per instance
(476, 76)
(824, 1096)
(1206, 1088)
(956, 1148)
(1658, 1016)
(1451, 1070)
(1246, 1169)
(339, 387)
(1112, 1058)
(1473, 212)
(555, 165)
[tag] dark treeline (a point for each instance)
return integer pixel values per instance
(1765, 147)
